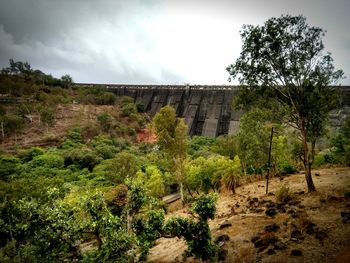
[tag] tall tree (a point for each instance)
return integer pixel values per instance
(172, 138)
(285, 59)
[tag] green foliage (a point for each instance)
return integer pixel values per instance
(136, 196)
(105, 121)
(47, 116)
(28, 155)
(12, 123)
(284, 61)
(196, 233)
(113, 240)
(148, 228)
(253, 139)
(38, 232)
(83, 158)
(8, 165)
(231, 172)
(154, 180)
(123, 165)
(205, 206)
(73, 138)
(47, 160)
(287, 167)
(128, 109)
(341, 144)
(171, 132)
(105, 147)
(199, 145)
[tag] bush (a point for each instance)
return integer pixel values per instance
(286, 168)
(8, 165)
(83, 158)
(47, 160)
(128, 109)
(283, 194)
(28, 155)
(196, 234)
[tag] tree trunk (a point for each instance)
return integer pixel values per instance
(189, 190)
(99, 241)
(2, 130)
(308, 177)
(307, 163)
(182, 194)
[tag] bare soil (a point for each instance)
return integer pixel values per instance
(330, 243)
(37, 133)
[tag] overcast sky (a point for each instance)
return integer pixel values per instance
(151, 41)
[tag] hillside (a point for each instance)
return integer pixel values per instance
(86, 176)
(310, 223)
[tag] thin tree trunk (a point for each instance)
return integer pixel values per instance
(2, 130)
(182, 194)
(307, 164)
(269, 163)
(99, 241)
(189, 190)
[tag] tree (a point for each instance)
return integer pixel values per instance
(285, 59)
(196, 232)
(172, 138)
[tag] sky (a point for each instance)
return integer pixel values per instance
(152, 41)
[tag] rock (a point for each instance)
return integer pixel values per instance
(345, 216)
(321, 235)
(222, 254)
(281, 208)
(225, 224)
(294, 202)
(271, 251)
(323, 200)
(270, 204)
(296, 235)
(311, 228)
(279, 245)
(297, 253)
(222, 238)
(271, 212)
(272, 228)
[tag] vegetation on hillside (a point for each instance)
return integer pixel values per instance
(97, 195)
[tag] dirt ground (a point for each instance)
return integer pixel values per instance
(310, 229)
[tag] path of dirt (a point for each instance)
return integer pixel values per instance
(330, 243)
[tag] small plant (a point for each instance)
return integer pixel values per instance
(347, 194)
(196, 232)
(283, 194)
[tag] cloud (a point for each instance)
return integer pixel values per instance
(158, 41)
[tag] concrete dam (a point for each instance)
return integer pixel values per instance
(206, 109)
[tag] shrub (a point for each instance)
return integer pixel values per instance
(283, 194)
(286, 167)
(128, 109)
(196, 233)
(84, 158)
(28, 155)
(105, 121)
(47, 160)
(8, 165)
